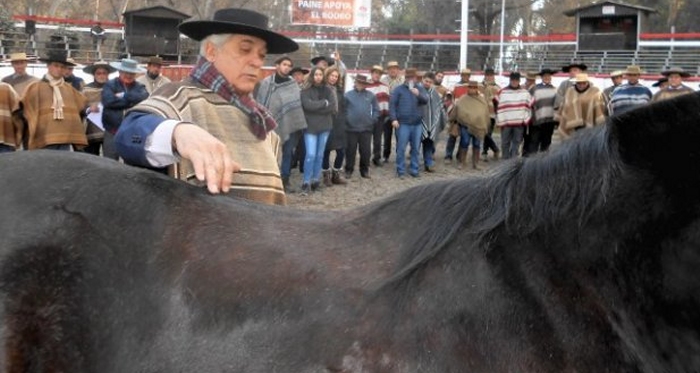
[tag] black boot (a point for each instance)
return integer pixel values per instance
(287, 186)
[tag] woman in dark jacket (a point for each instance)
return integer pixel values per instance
(336, 140)
(319, 103)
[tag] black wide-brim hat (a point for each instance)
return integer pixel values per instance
(60, 56)
(317, 59)
(580, 65)
(239, 21)
(547, 70)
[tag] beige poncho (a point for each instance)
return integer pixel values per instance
(473, 113)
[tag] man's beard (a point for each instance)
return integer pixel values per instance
(153, 76)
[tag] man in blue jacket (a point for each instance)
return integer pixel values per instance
(362, 113)
(406, 117)
(119, 95)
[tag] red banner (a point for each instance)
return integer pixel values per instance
(340, 13)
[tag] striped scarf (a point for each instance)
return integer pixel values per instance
(261, 119)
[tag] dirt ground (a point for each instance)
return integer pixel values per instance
(384, 181)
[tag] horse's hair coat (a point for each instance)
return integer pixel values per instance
(581, 260)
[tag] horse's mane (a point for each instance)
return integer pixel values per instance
(518, 198)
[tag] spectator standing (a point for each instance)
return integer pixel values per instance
(406, 117)
(630, 95)
(513, 113)
(281, 95)
(119, 95)
(10, 125)
(381, 92)
(392, 79)
(675, 86)
(337, 139)
(19, 80)
(460, 89)
(490, 89)
(53, 109)
(319, 103)
(471, 112)
(543, 122)
(362, 114)
(77, 82)
(583, 106)
(100, 71)
(434, 118)
(616, 78)
(153, 78)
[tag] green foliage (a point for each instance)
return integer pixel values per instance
(6, 22)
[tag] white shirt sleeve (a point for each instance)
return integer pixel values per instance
(159, 145)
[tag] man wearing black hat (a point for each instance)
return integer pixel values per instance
(489, 88)
(572, 69)
(53, 110)
(543, 122)
(280, 94)
(513, 112)
(100, 70)
(209, 125)
(675, 86)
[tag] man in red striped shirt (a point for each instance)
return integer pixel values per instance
(513, 112)
(381, 91)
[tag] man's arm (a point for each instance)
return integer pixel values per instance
(150, 140)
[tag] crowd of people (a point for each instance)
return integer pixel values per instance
(225, 128)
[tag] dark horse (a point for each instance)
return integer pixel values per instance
(583, 260)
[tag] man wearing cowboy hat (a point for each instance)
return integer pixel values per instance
(298, 73)
(392, 79)
(573, 69)
(100, 71)
(513, 113)
(405, 109)
(543, 122)
(209, 125)
(19, 80)
(68, 76)
(119, 95)
(280, 94)
(675, 85)
(153, 79)
(53, 110)
(616, 78)
(583, 107)
(363, 112)
(460, 89)
(631, 95)
(489, 88)
(381, 92)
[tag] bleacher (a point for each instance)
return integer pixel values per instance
(425, 55)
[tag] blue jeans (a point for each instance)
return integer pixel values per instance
(315, 145)
(465, 138)
(408, 134)
(511, 137)
(287, 152)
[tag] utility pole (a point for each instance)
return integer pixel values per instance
(463, 33)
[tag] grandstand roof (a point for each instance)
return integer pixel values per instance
(573, 12)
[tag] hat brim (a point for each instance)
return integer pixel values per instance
(119, 67)
(581, 66)
(683, 74)
(276, 43)
(90, 69)
(316, 60)
(49, 60)
(298, 70)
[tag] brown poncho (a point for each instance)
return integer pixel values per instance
(473, 113)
